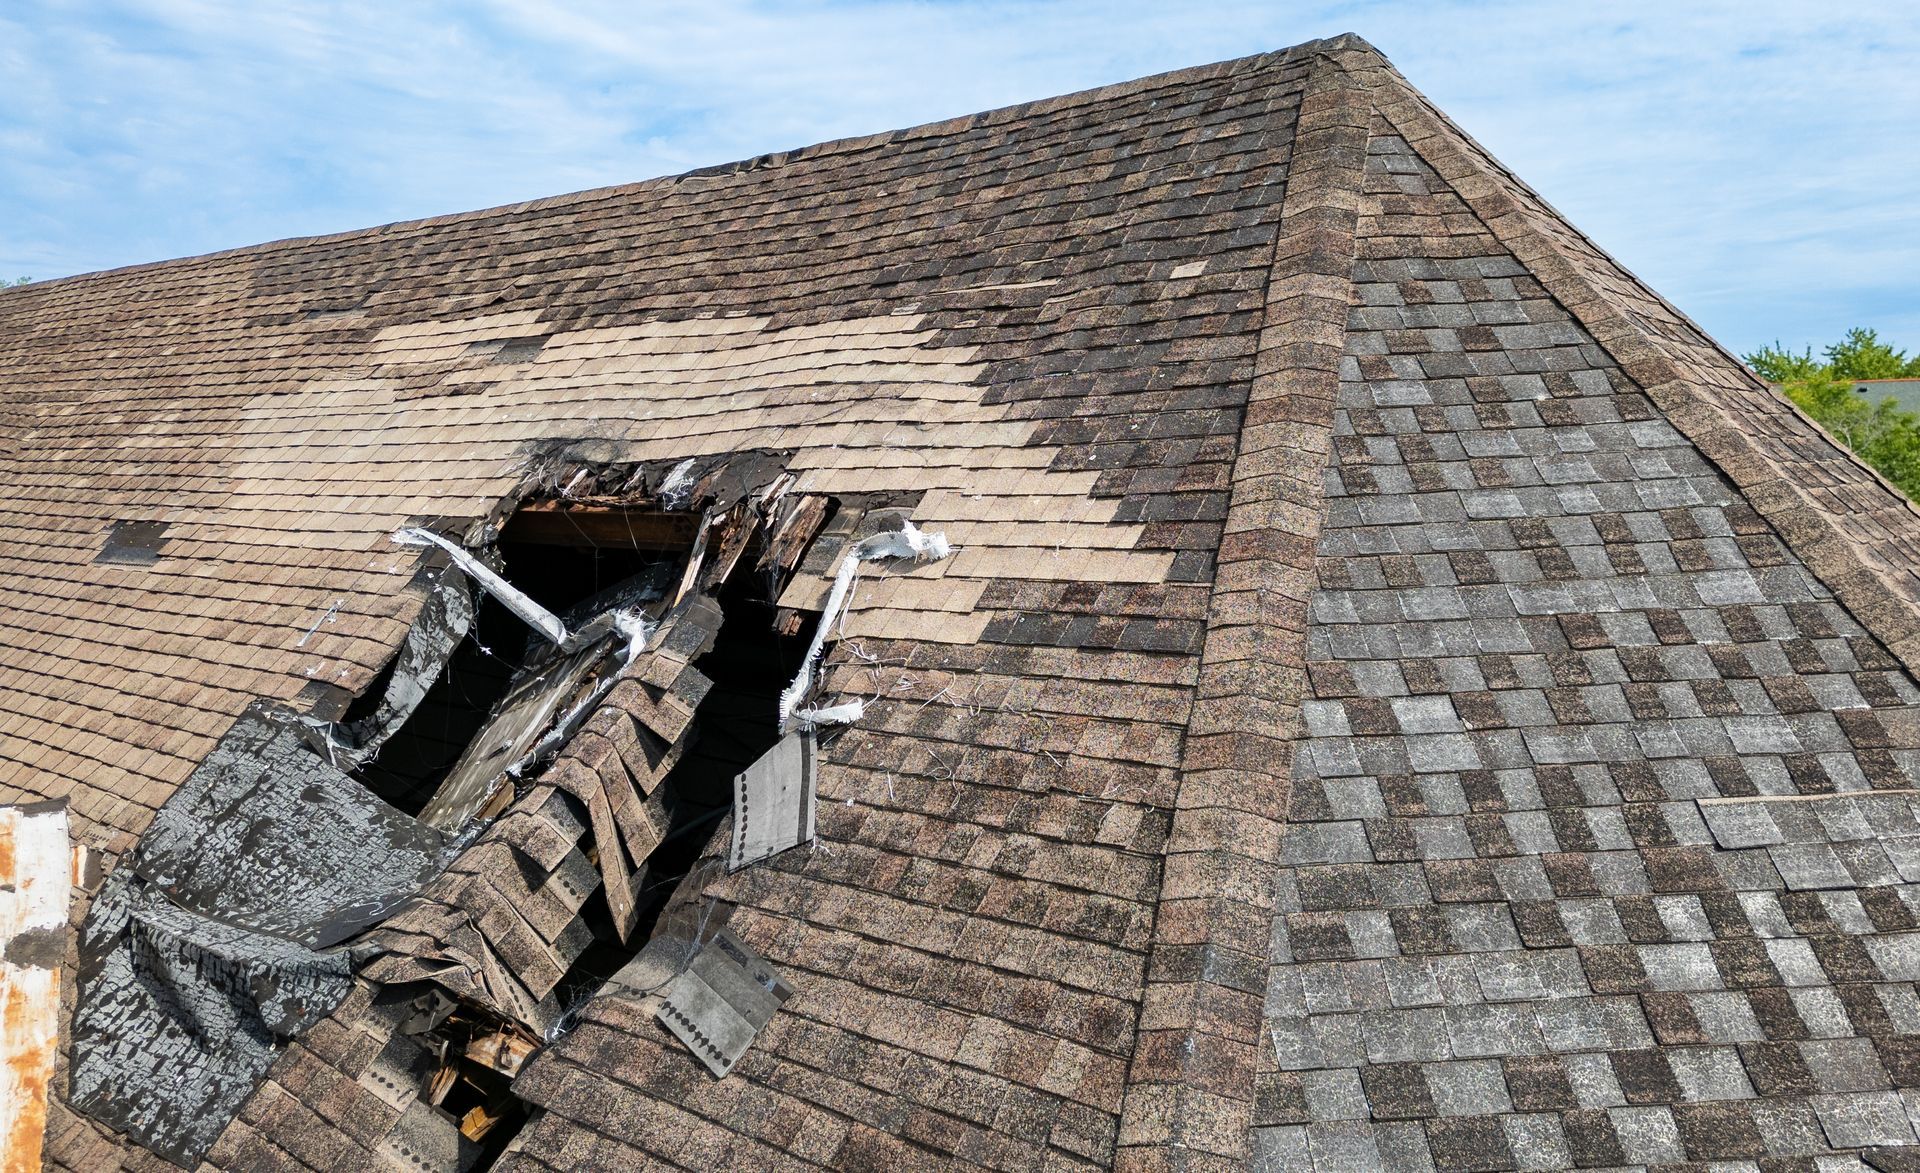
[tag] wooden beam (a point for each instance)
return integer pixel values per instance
(556, 523)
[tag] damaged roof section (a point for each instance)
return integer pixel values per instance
(274, 881)
(445, 618)
(503, 926)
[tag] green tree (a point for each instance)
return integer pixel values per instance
(1777, 365)
(1879, 433)
(1863, 356)
(16, 281)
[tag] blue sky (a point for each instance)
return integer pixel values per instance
(1755, 161)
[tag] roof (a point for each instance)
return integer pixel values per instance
(1904, 392)
(1400, 694)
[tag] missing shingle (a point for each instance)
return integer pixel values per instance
(508, 351)
(134, 543)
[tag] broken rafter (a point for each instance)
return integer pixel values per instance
(793, 533)
(735, 530)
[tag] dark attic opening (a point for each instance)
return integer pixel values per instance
(410, 765)
(583, 560)
(576, 563)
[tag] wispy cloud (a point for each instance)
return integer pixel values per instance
(1750, 159)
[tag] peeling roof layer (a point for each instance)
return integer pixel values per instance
(1401, 694)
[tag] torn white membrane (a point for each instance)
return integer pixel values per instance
(717, 1005)
(530, 612)
(773, 804)
(905, 542)
(845, 714)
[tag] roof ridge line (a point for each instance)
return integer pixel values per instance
(1190, 1089)
(846, 145)
(1855, 574)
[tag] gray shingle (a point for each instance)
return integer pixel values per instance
(1845, 1065)
(1481, 1031)
(1403, 1147)
(1648, 1136)
(1709, 1073)
(1334, 1095)
(1315, 843)
(1593, 1024)
(1407, 1036)
(1810, 865)
(1280, 1150)
(1343, 1148)
(1861, 1119)
(1593, 1081)
(1468, 1087)
(1683, 966)
(1740, 824)
(1537, 1141)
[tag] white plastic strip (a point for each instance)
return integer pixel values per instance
(905, 542)
(530, 612)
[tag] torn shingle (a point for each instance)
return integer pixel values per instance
(773, 802)
(721, 1000)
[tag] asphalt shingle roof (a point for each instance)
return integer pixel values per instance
(1403, 697)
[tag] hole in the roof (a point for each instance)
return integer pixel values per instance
(133, 543)
(409, 766)
(510, 350)
(502, 677)
(579, 564)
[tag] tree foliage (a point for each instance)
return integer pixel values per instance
(1878, 431)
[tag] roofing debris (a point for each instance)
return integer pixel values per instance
(517, 731)
(445, 618)
(721, 1000)
(905, 542)
(226, 932)
(537, 617)
(35, 867)
(502, 926)
(773, 802)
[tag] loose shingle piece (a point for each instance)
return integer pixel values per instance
(1398, 695)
